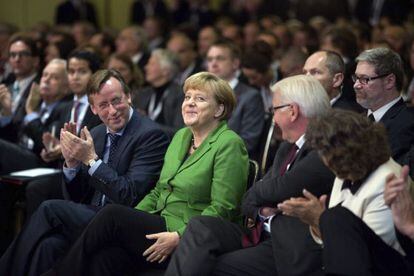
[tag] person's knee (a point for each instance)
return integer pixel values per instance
(336, 217)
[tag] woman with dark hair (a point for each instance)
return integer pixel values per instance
(61, 48)
(130, 72)
(357, 151)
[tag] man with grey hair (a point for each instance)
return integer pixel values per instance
(378, 81)
(273, 243)
(133, 42)
(161, 100)
(44, 109)
(329, 69)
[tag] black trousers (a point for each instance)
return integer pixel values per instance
(352, 248)
(212, 246)
(46, 237)
(112, 244)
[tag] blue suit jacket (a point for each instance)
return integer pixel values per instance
(137, 165)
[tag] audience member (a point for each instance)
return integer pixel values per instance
(24, 61)
(133, 77)
(71, 11)
(183, 47)
(356, 150)
(82, 31)
(118, 162)
(60, 49)
(204, 173)
(132, 41)
(156, 30)
(378, 81)
(161, 100)
(292, 62)
(39, 118)
(105, 42)
(277, 244)
(329, 69)
(206, 37)
(247, 119)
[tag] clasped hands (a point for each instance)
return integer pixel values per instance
(163, 247)
(76, 150)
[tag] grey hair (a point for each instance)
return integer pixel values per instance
(305, 91)
(60, 61)
(385, 61)
(167, 60)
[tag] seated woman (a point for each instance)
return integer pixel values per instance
(204, 173)
(356, 150)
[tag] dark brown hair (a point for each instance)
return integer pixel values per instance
(349, 143)
(100, 77)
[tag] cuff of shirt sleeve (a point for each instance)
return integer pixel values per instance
(70, 173)
(30, 117)
(315, 237)
(95, 166)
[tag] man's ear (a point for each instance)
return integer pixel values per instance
(294, 112)
(390, 81)
(338, 79)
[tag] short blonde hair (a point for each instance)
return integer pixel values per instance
(221, 90)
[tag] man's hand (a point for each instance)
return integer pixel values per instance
(308, 208)
(398, 197)
(76, 149)
(163, 247)
(33, 100)
(5, 100)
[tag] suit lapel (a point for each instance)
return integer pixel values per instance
(392, 112)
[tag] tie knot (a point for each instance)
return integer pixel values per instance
(371, 117)
(113, 138)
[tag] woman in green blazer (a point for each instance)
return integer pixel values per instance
(204, 173)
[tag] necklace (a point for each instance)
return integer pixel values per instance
(193, 146)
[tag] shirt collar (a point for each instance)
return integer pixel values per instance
(83, 99)
(379, 113)
(334, 100)
(25, 82)
(137, 57)
(300, 142)
(233, 82)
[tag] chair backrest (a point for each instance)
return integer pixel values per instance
(253, 173)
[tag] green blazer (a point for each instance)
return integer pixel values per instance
(210, 182)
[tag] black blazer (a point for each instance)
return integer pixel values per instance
(399, 123)
(139, 159)
(170, 118)
(11, 131)
(247, 118)
(348, 104)
(90, 120)
(294, 250)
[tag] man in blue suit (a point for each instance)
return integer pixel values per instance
(118, 162)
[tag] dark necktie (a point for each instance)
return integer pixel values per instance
(253, 238)
(76, 109)
(289, 159)
(99, 198)
(371, 117)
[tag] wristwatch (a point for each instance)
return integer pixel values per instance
(91, 162)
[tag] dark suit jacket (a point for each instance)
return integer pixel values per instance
(399, 123)
(171, 107)
(36, 128)
(348, 104)
(294, 250)
(139, 159)
(90, 120)
(11, 131)
(247, 118)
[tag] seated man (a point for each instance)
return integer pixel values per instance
(119, 162)
(277, 244)
(44, 109)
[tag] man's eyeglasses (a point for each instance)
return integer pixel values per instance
(20, 54)
(274, 108)
(366, 80)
